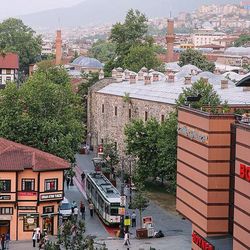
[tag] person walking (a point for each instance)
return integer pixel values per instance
(38, 234)
(34, 238)
(3, 238)
(82, 210)
(133, 218)
(75, 213)
(126, 239)
(7, 242)
(83, 177)
(73, 205)
(91, 209)
(67, 182)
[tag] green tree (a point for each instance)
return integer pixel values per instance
(42, 114)
(110, 154)
(102, 50)
(131, 40)
(15, 36)
(196, 58)
(140, 201)
(209, 96)
(243, 40)
(147, 58)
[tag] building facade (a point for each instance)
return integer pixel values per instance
(31, 188)
(9, 65)
(213, 177)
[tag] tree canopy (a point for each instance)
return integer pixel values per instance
(15, 36)
(130, 39)
(196, 58)
(243, 40)
(43, 114)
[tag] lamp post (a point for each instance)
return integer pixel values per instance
(121, 235)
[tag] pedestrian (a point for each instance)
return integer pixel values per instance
(75, 213)
(82, 210)
(133, 218)
(67, 182)
(91, 209)
(73, 205)
(34, 238)
(3, 238)
(126, 239)
(38, 234)
(83, 176)
(7, 242)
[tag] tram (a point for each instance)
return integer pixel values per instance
(105, 198)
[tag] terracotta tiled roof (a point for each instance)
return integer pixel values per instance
(17, 157)
(9, 61)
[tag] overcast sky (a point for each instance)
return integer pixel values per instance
(12, 8)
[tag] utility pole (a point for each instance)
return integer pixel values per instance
(122, 194)
(130, 180)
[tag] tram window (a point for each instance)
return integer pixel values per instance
(107, 209)
(114, 211)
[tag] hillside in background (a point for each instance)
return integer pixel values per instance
(110, 11)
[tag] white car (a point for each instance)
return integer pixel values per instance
(65, 208)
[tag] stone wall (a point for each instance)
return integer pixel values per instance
(108, 115)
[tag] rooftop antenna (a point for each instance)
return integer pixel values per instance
(170, 14)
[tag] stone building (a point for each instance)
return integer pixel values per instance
(114, 102)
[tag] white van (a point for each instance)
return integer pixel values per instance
(65, 208)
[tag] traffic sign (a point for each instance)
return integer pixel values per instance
(123, 201)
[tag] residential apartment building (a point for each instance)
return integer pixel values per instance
(31, 188)
(9, 65)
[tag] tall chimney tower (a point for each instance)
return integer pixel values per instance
(58, 47)
(170, 40)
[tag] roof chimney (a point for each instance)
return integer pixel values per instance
(170, 38)
(114, 72)
(101, 74)
(58, 47)
(132, 78)
(187, 80)
(119, 74)
(171, 77)
(224, 84)
(155, 77)
(126, 75)
(147, 79)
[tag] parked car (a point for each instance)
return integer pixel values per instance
(65, 208)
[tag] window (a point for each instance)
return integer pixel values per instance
(8, 78)
(0, 79)
(5, 185)
(6, 210)
(30, 223)
(146, 116)
(102, 108)
(50, 185)
(129, 114)
(48, 210)
(28, 184)
(115, 111)
(102, 141)
(8, 71)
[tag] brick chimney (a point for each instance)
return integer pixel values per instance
(101, 74)
(114, 72)
(155, 77)
(187, 80)
(119, 74)
(132, 78)
(170, 38)
(58, 47)
(171, 77)
(126, 75)
(147, 79)
(224, 84)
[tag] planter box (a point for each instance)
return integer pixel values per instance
(142, 233)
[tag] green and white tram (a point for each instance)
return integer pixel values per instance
(104, 196)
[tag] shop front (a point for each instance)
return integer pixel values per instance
(4, 226)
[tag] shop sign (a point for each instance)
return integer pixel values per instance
(4, 197)
(200, 242)
(51, 196)
(26, 208)
(192, 134)
(147, 219)
(245, 172)
(30, 220)
(27, 193)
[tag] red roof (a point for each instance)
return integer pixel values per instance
(17, 157)
(9, 61)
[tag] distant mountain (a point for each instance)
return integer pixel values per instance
(110, 11)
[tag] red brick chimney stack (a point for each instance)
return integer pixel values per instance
(170, 40)
(58, 47)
